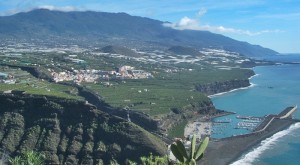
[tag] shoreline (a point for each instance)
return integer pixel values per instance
(191, 127)
(259, 140)
(202, 126)
(223, 93)
(242, 88)
(235, 149)
(253, 153)
(231, 149)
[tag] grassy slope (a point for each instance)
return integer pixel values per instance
(32, 85)
(169, 90)
(68, 131)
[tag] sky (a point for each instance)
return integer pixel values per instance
(274, 24)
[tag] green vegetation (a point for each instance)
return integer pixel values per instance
(31, 85)
(42, 88)
(173, 85)
(28, 158)
(166, 91)
(178, 130)
(152, 160)
(180, 152)
(70, 132)
(62, 127)
(153, 99)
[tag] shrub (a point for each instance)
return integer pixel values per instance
(28, 158)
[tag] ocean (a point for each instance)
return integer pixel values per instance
(273, 89)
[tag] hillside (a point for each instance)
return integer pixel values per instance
(70, 131)
(115, 28)
(119, 50)
(181, 50)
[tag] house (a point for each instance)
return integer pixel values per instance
(3, 75)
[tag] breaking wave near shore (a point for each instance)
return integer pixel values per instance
(252, 156)
(233, 90)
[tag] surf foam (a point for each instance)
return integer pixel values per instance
(266, 144)
(223, 93)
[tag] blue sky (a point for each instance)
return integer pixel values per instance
(273, 24)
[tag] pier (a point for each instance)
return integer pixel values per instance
(287, 113)
(226, 150)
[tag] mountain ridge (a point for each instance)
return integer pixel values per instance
(116, 27)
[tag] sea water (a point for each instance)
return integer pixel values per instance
(274, 88)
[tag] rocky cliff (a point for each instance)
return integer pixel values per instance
(70, 131)
(225, 86)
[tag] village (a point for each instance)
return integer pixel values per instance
(92, 75)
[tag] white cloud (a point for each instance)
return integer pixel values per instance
(187, 23)
(49, 7)
(201, 12)
(58, 8)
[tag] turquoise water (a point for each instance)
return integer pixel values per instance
(274, 89)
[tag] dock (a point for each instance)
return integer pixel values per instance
(287, 113)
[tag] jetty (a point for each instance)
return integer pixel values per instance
(225, 151)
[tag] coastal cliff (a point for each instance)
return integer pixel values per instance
(177, 116)
(219, 87)
(70, 131)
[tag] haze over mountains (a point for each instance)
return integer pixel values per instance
(116, 28)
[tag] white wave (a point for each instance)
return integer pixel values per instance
(222, 93)
(266, 144)
(253, 76)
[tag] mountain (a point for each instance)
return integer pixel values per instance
(70, 132)
(114, 28)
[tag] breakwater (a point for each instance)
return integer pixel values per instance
(226, 150)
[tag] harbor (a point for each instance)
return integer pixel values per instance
(248, 123)
(218, 127)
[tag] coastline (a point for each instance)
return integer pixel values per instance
(242, 88)
(229, 150)
(232, 149)
(252, 154)
(248, 150)
(222, 93)
(203, 126)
